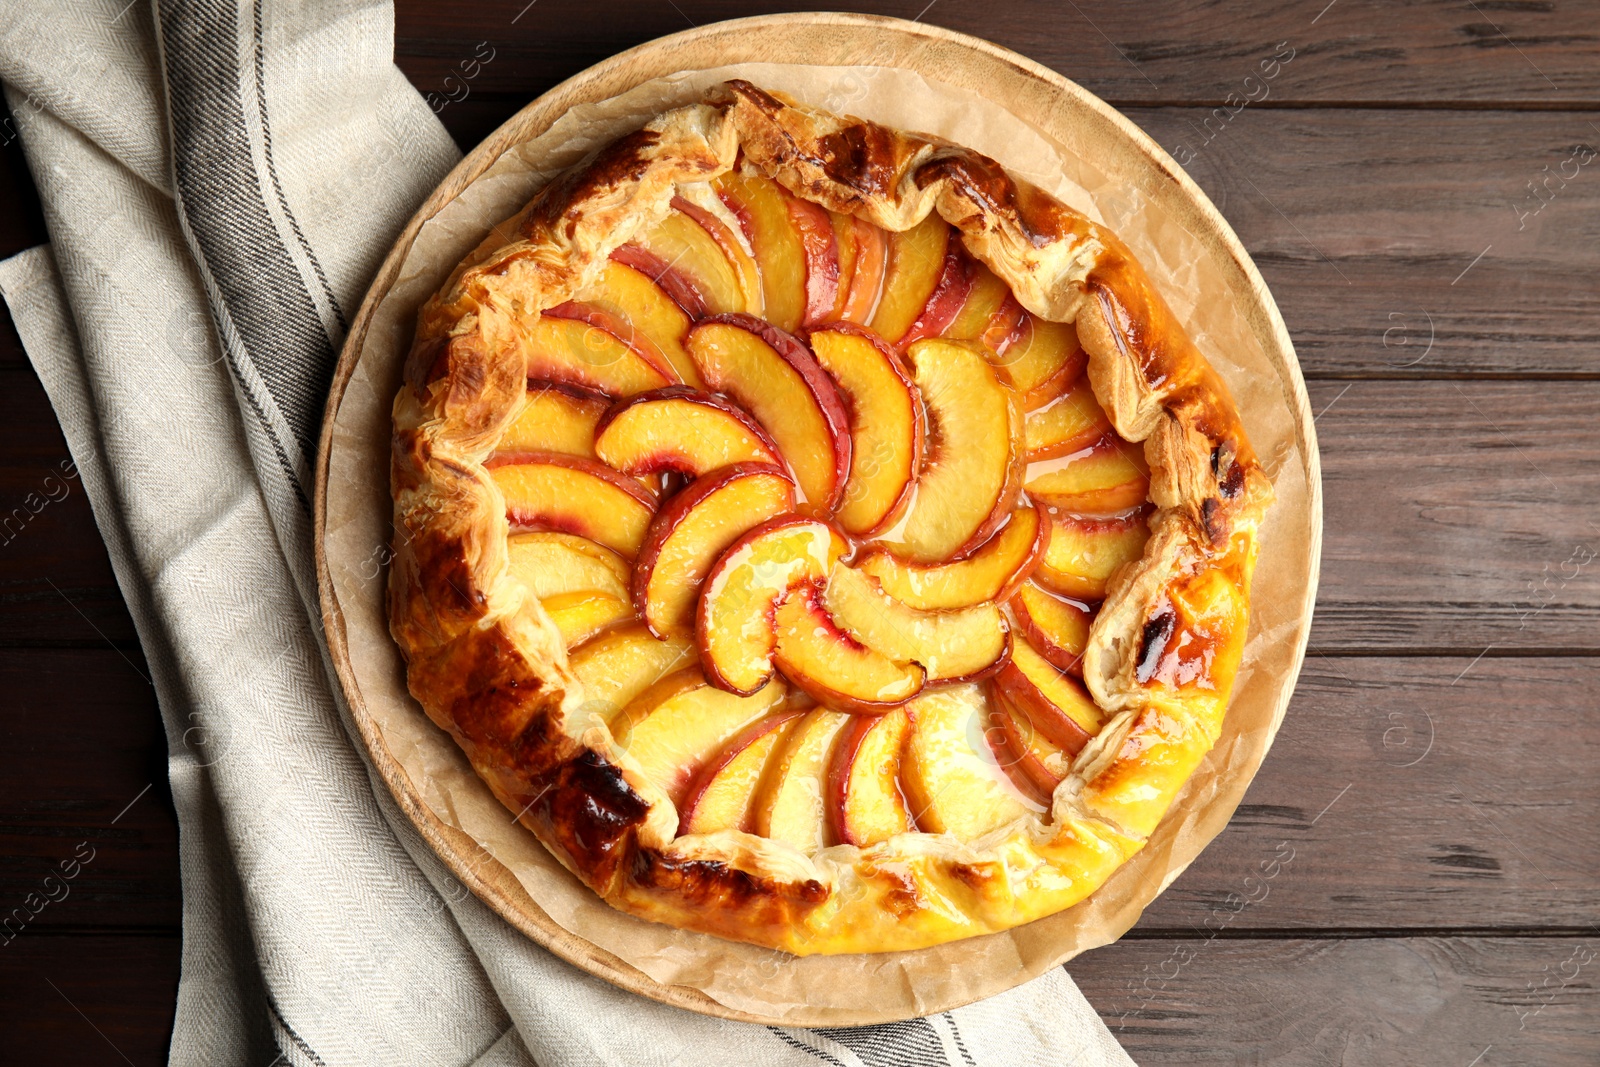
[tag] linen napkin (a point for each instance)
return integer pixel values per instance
(220, 179)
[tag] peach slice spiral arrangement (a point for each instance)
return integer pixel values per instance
(823, 519)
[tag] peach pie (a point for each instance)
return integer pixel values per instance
(818, 537)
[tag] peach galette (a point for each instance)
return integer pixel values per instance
(816, 536)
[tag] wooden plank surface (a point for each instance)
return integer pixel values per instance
(93, 999)
(1470, 54)
(1421, 1001)
(1411, 877)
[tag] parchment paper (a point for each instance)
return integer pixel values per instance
(742, 977)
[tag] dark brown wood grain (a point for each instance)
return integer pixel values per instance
(1452, 1001)
(1459, 515)
(1401, 795)
(95, 999)
(1530, 54)
(1412, 872)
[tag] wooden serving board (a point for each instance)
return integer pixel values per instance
(1082, 126)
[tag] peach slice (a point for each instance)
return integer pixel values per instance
(723, 235)
(844, 245)
(762, 207)
(867, 272)
(673, 728)
(985, 295)
(1035, 763)
(1070, 423)
(588, 353)
(971, 469)
(991, 573)
(1107, 478)
(569, 494)
(864, 780)
(735, 626)
(555, 418)
(1083, 552)
(680, 429)
(581, 614)
(1056, 627)
(962, 644)
(916, 260)
(815, 227)
(681, 288)
(775, 377)
(832, 666)
(646, 315)
(885, 425)
(954, 783)
(949, 296)
(553, 563)
(621, 663)
(1042, 353)
(724, 790)
(683, 242)
(1058, 706)
(697, 526)
(791, 804)
(1005, 327)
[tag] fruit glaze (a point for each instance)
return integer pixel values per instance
(814, 519)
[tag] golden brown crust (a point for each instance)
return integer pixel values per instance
(490, 668)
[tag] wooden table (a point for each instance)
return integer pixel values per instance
(1415, 875)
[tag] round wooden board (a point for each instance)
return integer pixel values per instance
(1074, 118)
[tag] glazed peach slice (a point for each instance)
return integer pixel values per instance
(791, 804)
(555, 418)
(916, 261)
(1036, 764)
(869, 261)
(583, 613)
(962, 644)
(1044, 357)
(681, 243)
(949, 296)
(626, 302)
(864, 780)
(724, 790)
(680, 429)
(819, 657)
(619, 664)
(723, 235)
(569, 494)
(552, 563)
(844, 248)
(772, 375)
(1070, 423)
(885, 425)
(588, 352)
(1107, 478)
(679, 724)
(1057, 627)
(697, 526)
(735, 624)
(986, 294)
(970, 469)
(684, 290)
(1083, 551)
(991, 573)
(1058, 706)
(762, 207)
(821, 248)
(954, 782)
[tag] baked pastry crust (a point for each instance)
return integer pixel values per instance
(490, 667)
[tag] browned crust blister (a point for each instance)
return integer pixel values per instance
(490, 668)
